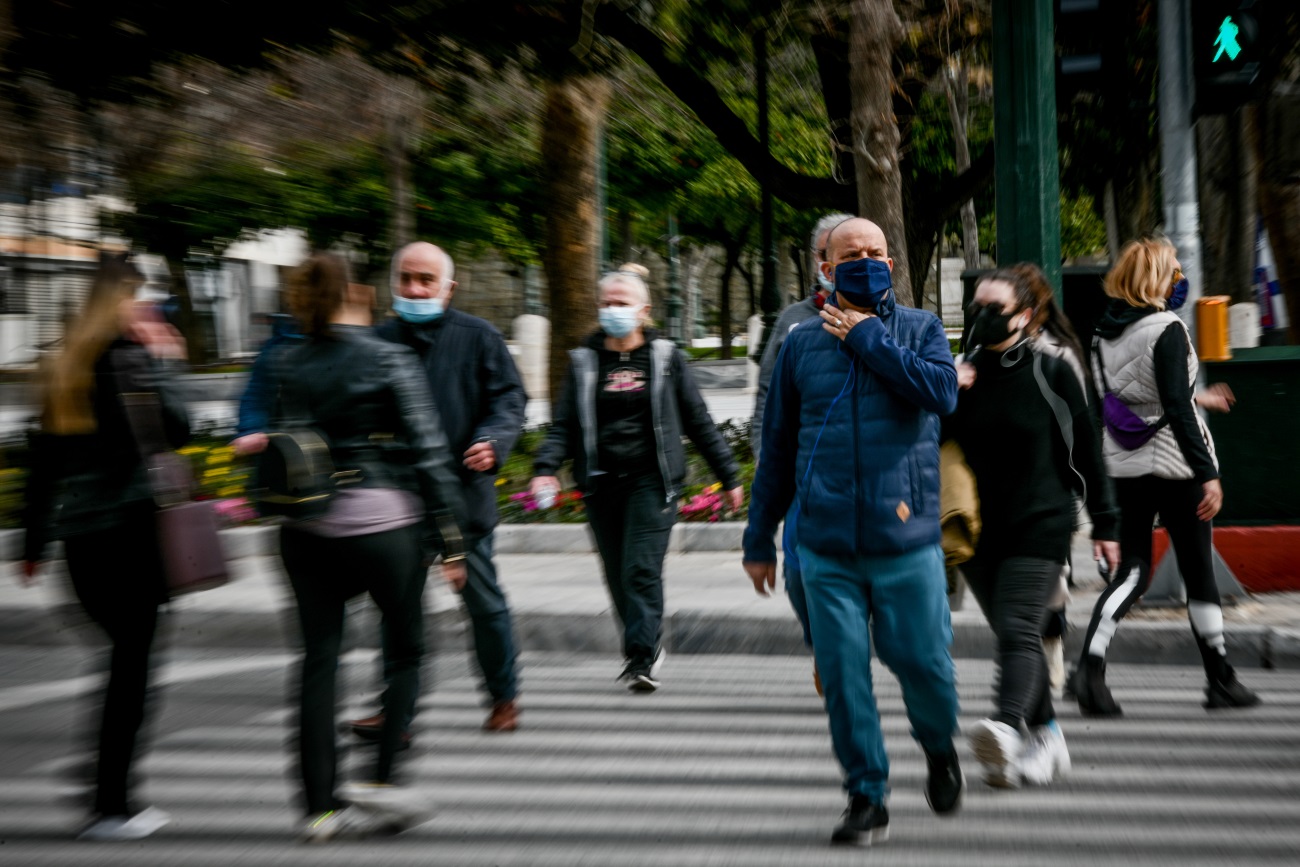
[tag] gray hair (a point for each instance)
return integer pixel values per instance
(394, 273)
(631, 279)
(824, 225)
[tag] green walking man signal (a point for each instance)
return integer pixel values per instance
(1227, 41)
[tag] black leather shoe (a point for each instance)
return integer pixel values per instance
(944, 786)
(864, 823)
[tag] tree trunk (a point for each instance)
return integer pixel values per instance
(1226, 162)
(402, 108)
(574, 115)
(799, 256)
(1279, 206)
(875, 32)
(196, 341)
(957, 87)
(732, 257)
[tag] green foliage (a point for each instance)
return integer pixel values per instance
(205, 205)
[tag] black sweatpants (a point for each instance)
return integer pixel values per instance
(117, 575)
(1013, 593)
(1140, 500)
(632, 522)
(325, 574)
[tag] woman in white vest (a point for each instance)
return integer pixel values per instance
(1161, 457)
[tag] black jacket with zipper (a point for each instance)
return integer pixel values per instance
(676, 405)
(478, 395)
(371, 401)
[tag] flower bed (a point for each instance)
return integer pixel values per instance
(224, 479)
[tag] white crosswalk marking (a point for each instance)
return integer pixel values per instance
(729, 763)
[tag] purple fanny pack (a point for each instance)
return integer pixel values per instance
(1126, 427)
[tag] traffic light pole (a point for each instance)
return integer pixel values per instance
(1024, 136)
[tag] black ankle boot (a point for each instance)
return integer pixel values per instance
(1088, 683)
(1226, 691)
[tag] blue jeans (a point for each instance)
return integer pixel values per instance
(904, 599)
(793, 574)
(489, 614)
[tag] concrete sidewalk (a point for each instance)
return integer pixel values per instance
(560, 603)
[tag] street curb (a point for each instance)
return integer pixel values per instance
(685, 632)
(264, 541)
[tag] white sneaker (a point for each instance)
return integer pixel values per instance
(1046, 757)
(658, 664)
(392, 809)
(348, 823)
(998, 748)
(117, 829)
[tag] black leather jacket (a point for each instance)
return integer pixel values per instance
(81, 484)
(371, 400)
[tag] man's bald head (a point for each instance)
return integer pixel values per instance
(422, 270)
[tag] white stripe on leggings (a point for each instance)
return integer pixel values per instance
(1107, 624)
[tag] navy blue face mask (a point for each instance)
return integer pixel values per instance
(1179, 297)
(863, 282)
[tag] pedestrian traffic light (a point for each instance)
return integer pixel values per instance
(1228, 50)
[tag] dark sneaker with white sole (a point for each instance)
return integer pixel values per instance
(644, 677)
(864, 823)
(946, 782)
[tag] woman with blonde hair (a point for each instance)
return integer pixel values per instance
(1160, 456)
(628, 399)
(88, 487)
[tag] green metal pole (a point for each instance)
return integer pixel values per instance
(1024, 136)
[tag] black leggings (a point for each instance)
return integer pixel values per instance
(325, 574)
(118, 577)
(1140, 500)
(1013, 593)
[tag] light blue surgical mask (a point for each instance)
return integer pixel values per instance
(417, 310)
(825, 282)
(619, 321)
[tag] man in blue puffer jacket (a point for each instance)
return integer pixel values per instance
(852, 430)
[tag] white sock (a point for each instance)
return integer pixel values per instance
(1207, 620)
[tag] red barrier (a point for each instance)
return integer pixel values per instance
(1264, 559)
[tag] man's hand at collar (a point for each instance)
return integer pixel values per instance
(840, 322)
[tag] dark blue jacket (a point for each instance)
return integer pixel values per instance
(258, 399)
(852, 430)
(478, 395)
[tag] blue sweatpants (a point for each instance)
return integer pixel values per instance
(900, 600)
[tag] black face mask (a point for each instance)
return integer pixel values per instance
(989, 325)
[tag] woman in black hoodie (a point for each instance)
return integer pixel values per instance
(628, 398)
(1161, 457)
(1030, 438)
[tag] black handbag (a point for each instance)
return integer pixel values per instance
(296, 476)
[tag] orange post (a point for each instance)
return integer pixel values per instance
(1212, 328)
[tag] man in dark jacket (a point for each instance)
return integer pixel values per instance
(480, 400)
(852, 431)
